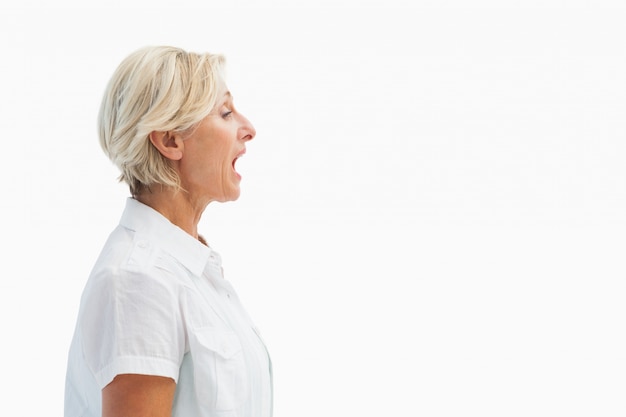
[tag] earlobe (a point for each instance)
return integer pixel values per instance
(169, 144)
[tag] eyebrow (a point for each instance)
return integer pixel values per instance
(227, 97)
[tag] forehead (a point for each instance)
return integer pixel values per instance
(222, 90)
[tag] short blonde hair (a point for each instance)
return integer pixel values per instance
(156, 88)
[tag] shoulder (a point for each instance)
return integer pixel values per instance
(131, 262)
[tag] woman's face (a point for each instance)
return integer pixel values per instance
(207, 168)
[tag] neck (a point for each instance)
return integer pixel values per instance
(177, 206)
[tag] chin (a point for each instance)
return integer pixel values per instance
(232, 196)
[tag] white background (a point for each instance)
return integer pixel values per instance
(433, 213)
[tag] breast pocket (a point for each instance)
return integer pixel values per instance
(220, 376)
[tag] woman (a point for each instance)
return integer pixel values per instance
(159, 331)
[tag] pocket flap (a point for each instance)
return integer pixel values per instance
(225, 343)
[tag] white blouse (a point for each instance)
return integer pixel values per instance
(156, 303)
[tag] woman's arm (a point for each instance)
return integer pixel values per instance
(138, 396)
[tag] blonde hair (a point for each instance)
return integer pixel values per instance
(156, 88)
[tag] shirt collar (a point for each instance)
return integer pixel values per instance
(187, 250)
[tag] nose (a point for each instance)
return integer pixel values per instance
(248, 132)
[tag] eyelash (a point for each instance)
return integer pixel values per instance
(226, 114)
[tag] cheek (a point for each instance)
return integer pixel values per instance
(217, 168)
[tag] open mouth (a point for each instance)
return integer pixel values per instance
(235, 161)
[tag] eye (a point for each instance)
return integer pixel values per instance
(226, 114)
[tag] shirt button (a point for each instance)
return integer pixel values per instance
(142, 244)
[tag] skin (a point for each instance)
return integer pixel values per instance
(138, 396)
(204, 159)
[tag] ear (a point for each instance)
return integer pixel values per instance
(169, 144)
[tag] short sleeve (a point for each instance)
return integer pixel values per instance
(132, 324)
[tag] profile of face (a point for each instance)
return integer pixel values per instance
(210, 151)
